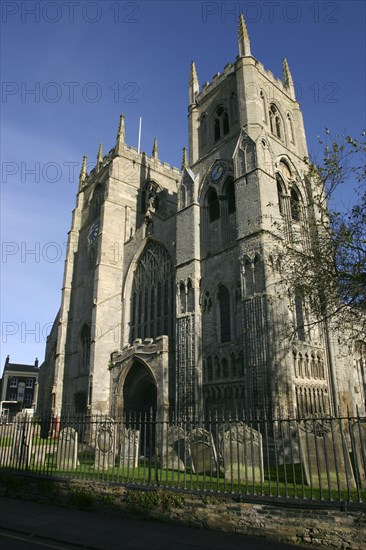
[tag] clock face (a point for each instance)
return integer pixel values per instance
(218, 172)
(93, 233)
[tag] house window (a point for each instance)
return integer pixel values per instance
(29, 383)
(225, 316)
(12, 396)
(28, 399)
(13, 382)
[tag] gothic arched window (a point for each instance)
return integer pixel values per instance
(153, 294)
(97, 201)
(85, 347)
(295, 204)
(264, 108)
(280, 194)
(225, 315)
(290, 128)
(275, 121)
(299, 315)
(220, 123)
(182, 298)
(258, 272)
(230, 193)
(190, 296)
(203, 129)
(213, 205)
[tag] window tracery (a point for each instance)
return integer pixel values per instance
(220, 123)
(153, 300)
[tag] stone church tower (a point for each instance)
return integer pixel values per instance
(172, 297)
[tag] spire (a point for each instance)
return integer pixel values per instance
(194, 86)
(184, 160)
(100, 154)
(287, 78)
(155, 149)
(99, 157)
(121, 135)
(82, 176)
(243, 38)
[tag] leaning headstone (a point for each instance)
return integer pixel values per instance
(175, 453)
(22, 443)
(203, 451)
(105, 444)
(129, 449)
(242, 453)
(324, 455)
(6, 446)
(67, 449)
(359, 440)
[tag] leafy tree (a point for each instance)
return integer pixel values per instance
(329, 271)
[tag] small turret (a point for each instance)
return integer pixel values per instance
(155, 149)
(243, 38)
(287, 78)
(99, 158)
(184, 159)
(120, 141)
(194, 86)
(82, 176)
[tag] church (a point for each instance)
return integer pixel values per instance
(172, 299)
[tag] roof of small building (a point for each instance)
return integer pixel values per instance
(16, 367)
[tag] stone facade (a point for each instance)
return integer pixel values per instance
(172, 299)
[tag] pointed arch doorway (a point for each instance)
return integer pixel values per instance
(140, 404)
(139, 391)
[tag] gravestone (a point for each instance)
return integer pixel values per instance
(129, 449)
(105, 443)
(21, 452)
(39, 456)
(67, 449)
(359, 441)
(242, 453)
(175, 453)
(203, 451)
(324, 455)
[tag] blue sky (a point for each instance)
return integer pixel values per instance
(87, 62)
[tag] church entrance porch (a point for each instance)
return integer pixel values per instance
(140, 380)
(140, 389)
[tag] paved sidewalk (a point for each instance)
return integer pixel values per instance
(30, 525)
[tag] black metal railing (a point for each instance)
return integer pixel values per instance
(317, 458)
